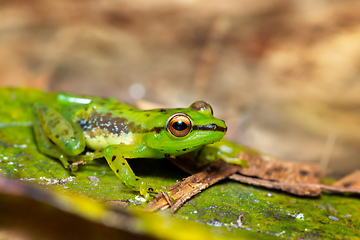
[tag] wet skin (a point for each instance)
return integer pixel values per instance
(118, 132)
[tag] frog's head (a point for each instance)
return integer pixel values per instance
(177, 131)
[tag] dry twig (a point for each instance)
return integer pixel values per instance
(264, 171)
(182, 191)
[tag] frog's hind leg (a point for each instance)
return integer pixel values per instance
(46, 147)
(57, 136)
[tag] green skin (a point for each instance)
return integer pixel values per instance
(118, 132)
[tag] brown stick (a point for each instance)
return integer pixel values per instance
(182, 191)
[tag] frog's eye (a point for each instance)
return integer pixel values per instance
(179, 125)
(201, 106)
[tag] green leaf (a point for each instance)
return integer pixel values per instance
(224, 211)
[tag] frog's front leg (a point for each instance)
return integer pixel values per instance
(224, 150)
(116, 157)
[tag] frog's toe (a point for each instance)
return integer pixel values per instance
(73, 168)
(146, 189)
(145, 193)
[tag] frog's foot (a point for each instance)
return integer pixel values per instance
(147, 188)
(73, 167)
(81, 159)
(116, 158)
(65, 162)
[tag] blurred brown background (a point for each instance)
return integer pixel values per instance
(284, 75)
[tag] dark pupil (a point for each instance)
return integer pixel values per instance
(179, 126)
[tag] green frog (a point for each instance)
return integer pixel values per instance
(78, 129)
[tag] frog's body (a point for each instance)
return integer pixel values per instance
(120, 124)
(118, 132)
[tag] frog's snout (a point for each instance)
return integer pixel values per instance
(224, 129)
(218, 128)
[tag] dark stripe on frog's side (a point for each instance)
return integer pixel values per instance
(156, 129)
(210, 127)
(116, 125)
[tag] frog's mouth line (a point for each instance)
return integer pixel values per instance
(210, 127)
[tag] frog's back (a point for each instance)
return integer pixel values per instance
(78, 102)
(16, 103)
(104, 121)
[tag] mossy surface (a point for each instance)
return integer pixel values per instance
(229, 209)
